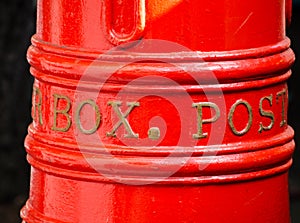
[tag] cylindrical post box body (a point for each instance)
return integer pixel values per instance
(159, 111)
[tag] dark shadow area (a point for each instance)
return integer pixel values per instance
(17, 19)
(16, 28)
(294, 114)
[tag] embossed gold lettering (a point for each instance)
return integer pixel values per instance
(37, 105)
(97, 116)
(266, 113)
(122, 119)
(64, 112)
(201, 121)
(250, 117)
(283, 95)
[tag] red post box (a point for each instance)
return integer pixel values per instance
(159, 111)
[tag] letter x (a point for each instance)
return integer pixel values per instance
(122, 119)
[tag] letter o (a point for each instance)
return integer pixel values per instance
(230, 117)
(77, 117)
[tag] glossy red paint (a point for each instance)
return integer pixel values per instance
(224, 146)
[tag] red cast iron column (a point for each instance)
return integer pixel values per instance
(188, 123)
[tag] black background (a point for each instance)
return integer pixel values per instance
(17, 24)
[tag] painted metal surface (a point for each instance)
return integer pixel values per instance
(189, 132)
